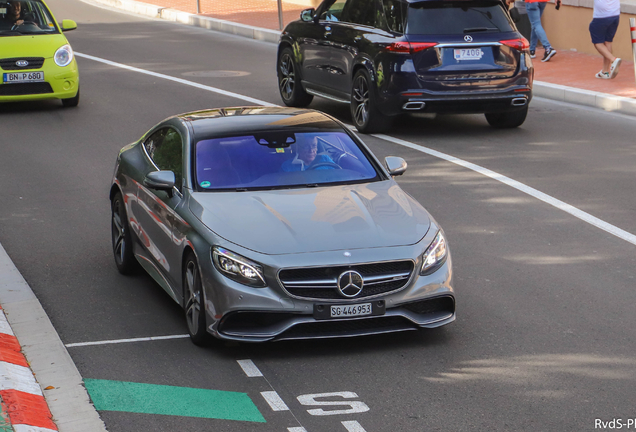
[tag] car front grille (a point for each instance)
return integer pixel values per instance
(321, 283)
(25, 89)
(355, 327)
(10, 63)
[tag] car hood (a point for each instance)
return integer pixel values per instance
(31, 45)
(331, 218)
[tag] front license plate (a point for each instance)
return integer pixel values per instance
(20, 77)
(468, 54)
(330, 311)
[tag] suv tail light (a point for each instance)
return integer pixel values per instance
(410, 47)
(520, 44)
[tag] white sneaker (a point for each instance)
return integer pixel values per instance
(614, 68)
(602, 75)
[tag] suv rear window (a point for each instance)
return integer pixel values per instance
(456, 17)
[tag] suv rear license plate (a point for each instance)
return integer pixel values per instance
(21, 77)
(468, 54)
(330, 311)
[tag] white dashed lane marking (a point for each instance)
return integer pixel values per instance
(274, 401)
(353, 426)
(249, 368)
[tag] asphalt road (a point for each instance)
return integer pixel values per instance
(544, 339)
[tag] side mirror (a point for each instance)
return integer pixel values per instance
(395, 165)
(308, 15)
(160, 180)
(68, 25)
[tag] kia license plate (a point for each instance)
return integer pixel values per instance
(21, 77)
(468, 54)
(331, 311)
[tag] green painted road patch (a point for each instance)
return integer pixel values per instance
(168, 400)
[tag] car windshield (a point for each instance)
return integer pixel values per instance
(25, 17)
(280, 161)
(456, 17)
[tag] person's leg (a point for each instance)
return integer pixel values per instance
(598, 29)
(534, 13)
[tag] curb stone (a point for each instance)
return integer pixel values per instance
(557, 92)
(69, 408)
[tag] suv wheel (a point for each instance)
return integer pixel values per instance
(291, 91)
(507, 120)
(364, 112)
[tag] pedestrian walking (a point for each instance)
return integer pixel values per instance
(535, 9)
(603, 29)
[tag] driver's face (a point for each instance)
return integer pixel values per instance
(16, 7)
(308, 152)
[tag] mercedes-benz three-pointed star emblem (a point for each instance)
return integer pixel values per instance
(350, 283)
(468, 38)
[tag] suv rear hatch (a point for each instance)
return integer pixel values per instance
(474, 41)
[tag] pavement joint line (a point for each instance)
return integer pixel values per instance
(296, 429)
(36, 361)
(541, 196)
(119, 341)
(558, 92)
(249, 368)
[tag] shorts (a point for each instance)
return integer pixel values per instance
(604, 29)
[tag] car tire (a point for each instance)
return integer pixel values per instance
(507, 120)
(291, 90)
(193, 302)
(364, 111)
(122, 238)
(72, 102)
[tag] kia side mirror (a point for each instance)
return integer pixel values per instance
(308, 15)
(68, 25)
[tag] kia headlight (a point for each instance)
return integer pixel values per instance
(63, 56)
(434, 255)
(238, 268)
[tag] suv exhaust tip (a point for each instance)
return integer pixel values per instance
(413, 106)
(519, 102)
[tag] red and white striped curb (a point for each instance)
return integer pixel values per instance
(22, 397)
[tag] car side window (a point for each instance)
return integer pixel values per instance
(334, 12)
(165, 148)
(359, 12)
(394, 14)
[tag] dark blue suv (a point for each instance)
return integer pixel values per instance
(386, 57)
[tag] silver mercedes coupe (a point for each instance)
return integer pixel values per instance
(277, 223)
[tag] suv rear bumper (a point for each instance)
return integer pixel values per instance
(420, 100)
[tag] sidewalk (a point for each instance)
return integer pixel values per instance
(567, 68)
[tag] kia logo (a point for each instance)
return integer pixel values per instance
(468, 38)
(22, 63)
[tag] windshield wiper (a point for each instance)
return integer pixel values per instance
(10, 33)
(480, 29)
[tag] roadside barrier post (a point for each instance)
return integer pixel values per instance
(280, 14)
(632, 28)
(198, 6)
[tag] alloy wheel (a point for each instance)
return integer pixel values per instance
(287, 77)
(361, 99)
(119, 233)
(193, 297)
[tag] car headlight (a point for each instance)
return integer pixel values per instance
(434, 255)
(63, 56)
(238, 268)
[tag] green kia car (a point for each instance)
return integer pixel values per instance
(36, 59)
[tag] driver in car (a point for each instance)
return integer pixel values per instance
(15, 14)
(307, 157)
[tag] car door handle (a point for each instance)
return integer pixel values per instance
(357, 38)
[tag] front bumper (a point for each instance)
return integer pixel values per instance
(238, 312)
(60, 83)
